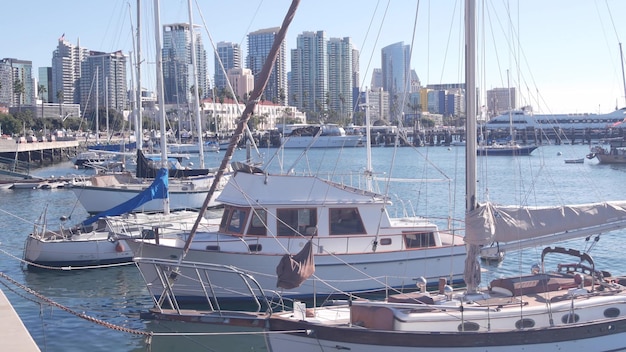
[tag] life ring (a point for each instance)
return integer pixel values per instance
(119, 247)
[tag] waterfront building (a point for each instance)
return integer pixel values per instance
(396, 75)
(66, 69)
(242, 81)
(45, 79)
(111, 81)
(309, 72)
(12, 72)
(500, 100)
(229, 54)
(259, 44)
(177, 67)
(340, 77)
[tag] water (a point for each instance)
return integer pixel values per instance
(117, 295)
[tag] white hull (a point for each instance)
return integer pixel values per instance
(87, 249)
(370, 271)
(348, 141)
(70, 247)
(182, 195)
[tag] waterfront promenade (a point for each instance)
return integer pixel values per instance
(13, 333)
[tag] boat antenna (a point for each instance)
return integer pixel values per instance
(261, 82)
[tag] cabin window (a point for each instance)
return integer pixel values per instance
(611, 312)
(419, 239)
(233, 220)
(570, 318)
(468, 326)
(524, 324)
(294, 222)
(345, 221)
(257, 225)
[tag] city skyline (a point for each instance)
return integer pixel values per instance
(568, 50)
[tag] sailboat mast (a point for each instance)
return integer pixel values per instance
(160, 93)
(621, 55)
(97, 108)
(196, 93)
(472, 266)
(138, 117)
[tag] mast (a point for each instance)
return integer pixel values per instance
(97, 108)
(196, 93)
(160, 93)
(138, 117)
(472, 265)
(262, 80)
(621, 55)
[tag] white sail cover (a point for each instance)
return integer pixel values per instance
(490, 223)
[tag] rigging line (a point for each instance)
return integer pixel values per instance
(371, 58)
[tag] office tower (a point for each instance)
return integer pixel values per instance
(259, 44)
(45, 79)
(309, 72)
(66, 65)
(177, 69)
(396, 76)
(111, 81)
(340, 71)
(230, 56)
(13, 72)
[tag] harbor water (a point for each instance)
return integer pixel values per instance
(99, 309)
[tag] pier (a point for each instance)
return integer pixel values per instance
(13, 333)
(17, 155)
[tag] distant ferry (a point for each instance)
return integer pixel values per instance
(318, 136)
(523, 119)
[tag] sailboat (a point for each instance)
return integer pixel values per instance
(577, 306)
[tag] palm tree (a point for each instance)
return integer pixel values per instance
(41, 89)
(60, 98)
(19, 90)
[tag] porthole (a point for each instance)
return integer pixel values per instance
(212, 248)
(570, 318)
(524, 324)
(611, 312)
(468, 326)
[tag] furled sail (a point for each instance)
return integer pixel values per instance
(157, 190)
(490, 223)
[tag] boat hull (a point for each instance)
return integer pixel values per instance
(602, 336)
(506, 151)
(368, 272)
(98, 250)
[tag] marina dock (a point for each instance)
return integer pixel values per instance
(13, 333)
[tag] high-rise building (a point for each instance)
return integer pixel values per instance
(340, 76)
(177, 64)
(13, 72)
(500, 100)
(377, 78)
(309, 72)
(230, 56)
(259, 45)
(242, 82)
(396, 75)
(111, 81)
(45, 80)
(66, 66)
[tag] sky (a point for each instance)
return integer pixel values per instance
(562, 55)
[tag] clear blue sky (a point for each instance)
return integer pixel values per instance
(568, 50)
